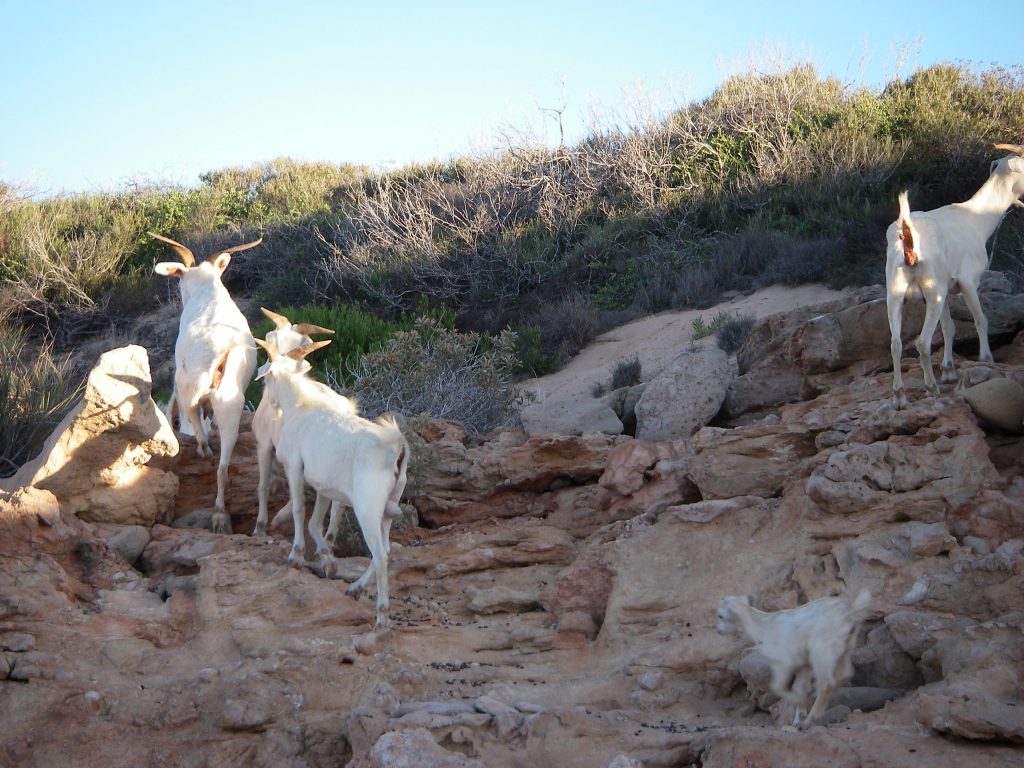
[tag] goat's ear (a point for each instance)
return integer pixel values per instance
(170, 269)
(220, 261)
(268, 348)
(1016, 164)
(992, 167)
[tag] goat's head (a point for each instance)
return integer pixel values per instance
(1012, 166)
(290, 363)
(192, 274)
(285, 337)
(728, 623)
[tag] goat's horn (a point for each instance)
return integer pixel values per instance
(268, 348)
(236, 248)
(187, 258)
(1017, 149)
(301, 352)
(280, 321)
(309, 329)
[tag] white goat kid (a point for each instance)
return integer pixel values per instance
(214, 357)
(818, 637)
(284, 338)
(929, 251)
(344, 457)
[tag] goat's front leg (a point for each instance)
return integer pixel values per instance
(948, 331)
(297, 491)
(970, 292)
(265, 458)
(325, 558)
(894, 305)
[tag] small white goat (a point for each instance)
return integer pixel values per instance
(214, 357)
(818, 637)
(284, 338)
(930, 250)
(344, 457)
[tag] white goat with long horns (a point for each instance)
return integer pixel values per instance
(266, 422)
(214, 356)
(344, 457)
(929, 251)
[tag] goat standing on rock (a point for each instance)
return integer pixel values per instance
(214, 357)
(344, 457)
(929, 251)
(817, 638)
(266, 423)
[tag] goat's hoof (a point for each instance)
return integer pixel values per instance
(330, 567)
(383, 622)
(948, 375)
(354, 591)
(221, 522)
(899, 399)
(260, 529)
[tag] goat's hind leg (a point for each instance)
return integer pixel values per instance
(894, 305)
(935, 308)
(948, 331)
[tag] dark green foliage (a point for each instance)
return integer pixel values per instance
(733, 333)
(355, 332)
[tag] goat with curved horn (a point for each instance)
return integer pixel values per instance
(236, 248)
(266, 422)
(1016, 149)
(214, 358)
(187, 257)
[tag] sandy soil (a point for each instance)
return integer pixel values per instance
(659, 338)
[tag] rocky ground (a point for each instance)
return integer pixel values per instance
(553, 595)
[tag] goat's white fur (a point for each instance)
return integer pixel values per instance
(214, 357)
(929, 251)
(344, 457)
(817, 638)
(285, 337)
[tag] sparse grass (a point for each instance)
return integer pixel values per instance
(36, 391)
(734, 332)
(626, 372)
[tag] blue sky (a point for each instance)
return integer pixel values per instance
(98, 93)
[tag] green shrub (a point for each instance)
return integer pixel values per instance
(702, 329)
(36, 391)
(355, 332)
(439, 372)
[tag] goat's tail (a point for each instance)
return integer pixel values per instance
(393, 436)
(907, 234)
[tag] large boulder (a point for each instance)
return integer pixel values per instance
(570, 417)
(95, 461)
(686, 395)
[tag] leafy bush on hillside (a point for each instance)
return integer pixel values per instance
(435, 370)
(780, 177)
